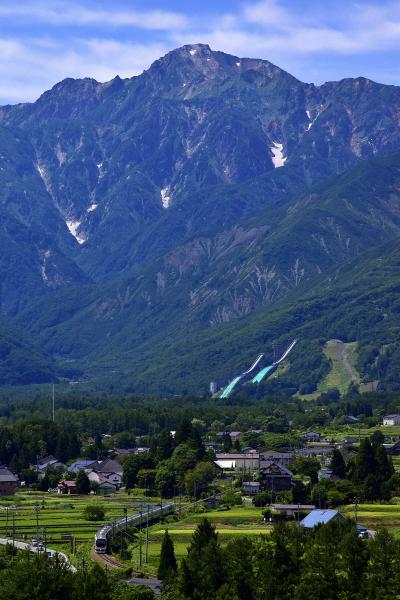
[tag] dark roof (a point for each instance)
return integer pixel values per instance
(152, 583)
(273, 468)
(293, 506)
(276, 454)
(108, 466)
(7, 475)
(236, 455)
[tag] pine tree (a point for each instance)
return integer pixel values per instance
(354, 554)
(384, 567)
(338, 465)
(167, 566)
(202, 572)
(365, 463)
(299, 493)
(183, 432)
(385, 466)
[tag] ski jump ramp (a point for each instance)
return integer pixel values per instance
(265, 372)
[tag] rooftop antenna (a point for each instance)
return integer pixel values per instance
(53, 403)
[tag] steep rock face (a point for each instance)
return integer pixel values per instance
(134, 166)
(186, 197)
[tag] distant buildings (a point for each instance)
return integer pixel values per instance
(8, 482)
(235, 461)
(250, 488)
(390, 420)
(275, 477)
(67, 486)
(81, 465)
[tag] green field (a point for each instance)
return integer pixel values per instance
(61, 515)
(238, 521)
(60, 518)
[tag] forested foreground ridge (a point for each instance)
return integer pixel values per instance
(290, 564)
(148, 223)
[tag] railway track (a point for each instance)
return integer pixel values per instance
(106, 560)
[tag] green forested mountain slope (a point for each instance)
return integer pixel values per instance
(212, 286)
(357, 302)
(20, 361)
(169, 205)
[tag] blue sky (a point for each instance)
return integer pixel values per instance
(44, 41)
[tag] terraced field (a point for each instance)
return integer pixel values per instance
(60, 518)
(238, 521)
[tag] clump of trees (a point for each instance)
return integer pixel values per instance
(94, 512)
(173, 464)
(330, 562)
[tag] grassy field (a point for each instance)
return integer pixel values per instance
(238, 521)
(60, 518)
(374, 516)
(61, 515)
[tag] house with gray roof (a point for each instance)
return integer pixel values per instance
(8, 482)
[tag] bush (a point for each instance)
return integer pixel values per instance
(262, 499)
(231, 499)
(94, 512)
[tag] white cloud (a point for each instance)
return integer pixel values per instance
(269, 12)
(36, 65)
(73, 13)
(270, 29)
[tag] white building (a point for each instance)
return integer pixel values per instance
(390, 420)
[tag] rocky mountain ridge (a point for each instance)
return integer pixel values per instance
(197, 192)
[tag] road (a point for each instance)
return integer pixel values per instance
(26, 546)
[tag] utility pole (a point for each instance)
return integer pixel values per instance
(13, 535)
(147, 535)
(126, 520)
(37, 508)
(140, 539)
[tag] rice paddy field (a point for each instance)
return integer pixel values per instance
(238, 521)
(61, 518)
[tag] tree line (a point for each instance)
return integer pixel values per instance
(329, 562)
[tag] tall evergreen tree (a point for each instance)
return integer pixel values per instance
(167, 566)
(202, 572)
(365, 462)
(338, 465)
(384, 464)
(384, 567)
(354, 554)
(183, 432)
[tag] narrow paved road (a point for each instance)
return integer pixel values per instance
(51, 553)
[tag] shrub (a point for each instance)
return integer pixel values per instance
(94, 512)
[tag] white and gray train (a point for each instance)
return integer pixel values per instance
(148, 514)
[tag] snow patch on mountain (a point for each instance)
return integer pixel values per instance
(73, 227)
(192, 51)
(91, 208)
(277, 155)
(165, 197)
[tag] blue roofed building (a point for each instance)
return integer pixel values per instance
(320, 517)
(81, 465)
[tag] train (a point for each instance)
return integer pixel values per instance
(147, 514)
